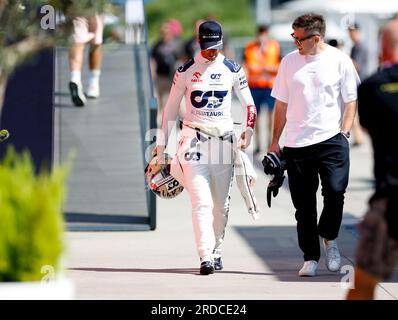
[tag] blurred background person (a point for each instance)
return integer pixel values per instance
(359, 56)
(261, 62)
(86, 30)
(191, 47)
(359, 52)
(377, 250)
(176, 29)
(165, 56)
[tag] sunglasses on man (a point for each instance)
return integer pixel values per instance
(300, 40)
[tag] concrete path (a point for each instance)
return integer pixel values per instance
(106, 186)
(261, 258)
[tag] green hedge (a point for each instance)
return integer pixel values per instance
(31, 220)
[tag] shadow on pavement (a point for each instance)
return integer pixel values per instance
(103, 218)
(193, 271)
(277, 246)
(64, 105)
(62, 94)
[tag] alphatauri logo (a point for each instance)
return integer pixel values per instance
(215, 76)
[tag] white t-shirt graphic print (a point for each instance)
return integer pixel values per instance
(315, 89)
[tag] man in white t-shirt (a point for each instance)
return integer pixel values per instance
(316, 101)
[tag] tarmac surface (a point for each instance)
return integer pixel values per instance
(261, 258)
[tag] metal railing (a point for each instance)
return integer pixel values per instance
(147, 108)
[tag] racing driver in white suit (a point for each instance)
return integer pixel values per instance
(205, 151)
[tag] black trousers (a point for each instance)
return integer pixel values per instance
(329, 161)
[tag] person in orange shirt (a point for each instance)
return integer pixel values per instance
(261, 62)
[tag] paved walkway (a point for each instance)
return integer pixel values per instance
(106, 186)
(261, 258)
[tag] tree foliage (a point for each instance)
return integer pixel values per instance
(22, 35)
(21, 32)
(236, 16)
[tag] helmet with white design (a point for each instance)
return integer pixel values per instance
(159, 179)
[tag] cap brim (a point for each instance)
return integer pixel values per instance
(211, 45)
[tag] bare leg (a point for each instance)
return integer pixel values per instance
(75, 65)
(95, 57)
(76, 57)
(95, 64)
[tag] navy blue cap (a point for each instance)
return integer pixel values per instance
(210, 35)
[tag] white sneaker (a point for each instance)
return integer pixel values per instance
(76, 91)
(93, 90)
(333, 259)
(308, 269)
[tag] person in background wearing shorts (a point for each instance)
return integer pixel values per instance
(86, 30)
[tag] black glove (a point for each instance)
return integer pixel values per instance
(273, 187)
(272, 163)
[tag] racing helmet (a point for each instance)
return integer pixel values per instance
(159, 179)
